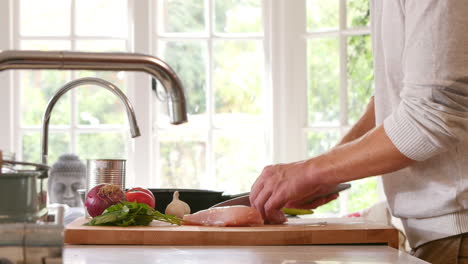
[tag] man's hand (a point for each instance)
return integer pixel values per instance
(287, 185)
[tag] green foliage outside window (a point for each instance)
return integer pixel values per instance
(360, 76)
(358, 13)
(189, 60)
(59, 143)
(324, 81)
(37, 88)
(184, 16)
(98, 106)
(238, 16)
(182, 161)
(324, 106)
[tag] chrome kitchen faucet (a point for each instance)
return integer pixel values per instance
(134, 129)
(65, 60)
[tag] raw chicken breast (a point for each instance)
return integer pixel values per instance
(225, 216)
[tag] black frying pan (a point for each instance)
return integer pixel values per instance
(197, 199)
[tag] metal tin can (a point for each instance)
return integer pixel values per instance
(105, 171)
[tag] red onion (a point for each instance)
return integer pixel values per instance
(101, 196)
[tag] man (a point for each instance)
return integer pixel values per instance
(414, 132)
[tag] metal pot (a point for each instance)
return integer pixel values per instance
(197, 199)
(23, 196)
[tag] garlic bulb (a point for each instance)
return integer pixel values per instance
(177, 207)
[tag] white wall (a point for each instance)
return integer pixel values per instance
(6, 92)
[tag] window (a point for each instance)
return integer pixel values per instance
(217, 48)
(86, 121)
(340, 83)
(265, 82)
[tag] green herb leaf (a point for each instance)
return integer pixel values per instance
(131, 214)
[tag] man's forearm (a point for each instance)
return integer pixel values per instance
(370, 155)
(363, 125)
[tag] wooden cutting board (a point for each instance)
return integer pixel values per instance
(296, 231)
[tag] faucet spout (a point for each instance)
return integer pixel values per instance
(134, 129)
(65, 60)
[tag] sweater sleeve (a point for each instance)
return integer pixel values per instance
(432, 116)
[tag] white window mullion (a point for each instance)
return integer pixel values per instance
(142, 159)
(75, 37)
(267, 18)
(16, 93)
(74, 123)
(186, 37)
(73, 98)
(208, 179)
(158, 22)
(7, 93)
(343, 46)
(285, 34)
(274, 77)
(298, 79)
(345, 31)
(16, 115)
(343, 67)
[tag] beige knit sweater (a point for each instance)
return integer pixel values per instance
(421, 74)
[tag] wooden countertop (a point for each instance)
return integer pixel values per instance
(336, 254)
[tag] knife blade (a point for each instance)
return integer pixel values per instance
(245, 199)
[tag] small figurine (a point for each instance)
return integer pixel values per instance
(66, 176)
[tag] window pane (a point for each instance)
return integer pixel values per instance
(322, 15)
(239, 158)
(37, 88)
(324, 81)
(363, 194)
(331, 209)
(45, 17)
(110, 45)
(104, 145)
(59, 143)
(189, 60)
(98, 106)
(182, 159)
(183, 15)
(45, 45)
(358, 13)
(238, 16)
(319, 142)
(237, 81)
(360, 75)
(101, 18)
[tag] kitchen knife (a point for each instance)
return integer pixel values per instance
(245, 199)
